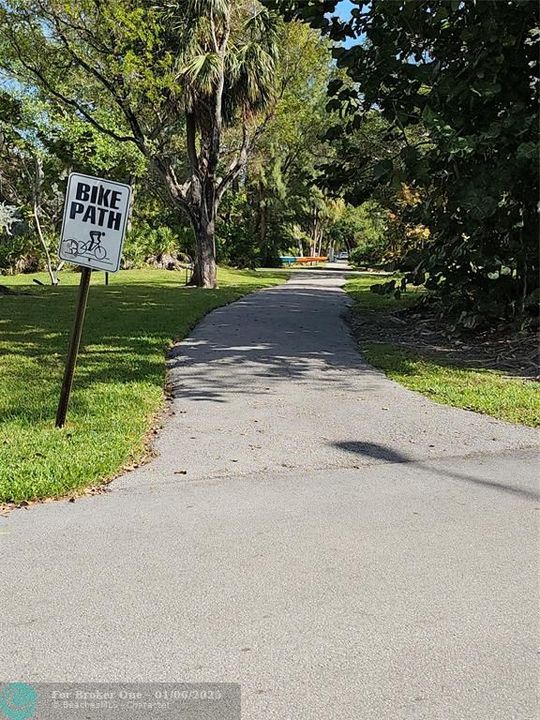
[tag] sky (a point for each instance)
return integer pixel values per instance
(344, 11)
(344, 8)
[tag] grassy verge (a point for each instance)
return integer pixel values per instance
(359, 289)
(484, 391)
(120, 374)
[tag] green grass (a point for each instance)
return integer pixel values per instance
(484, 391)
(119, 379)
(364, 299)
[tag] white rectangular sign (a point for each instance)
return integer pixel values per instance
(95, 219)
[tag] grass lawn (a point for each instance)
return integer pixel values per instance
(119, 380)
(359, 289)
(484, 391)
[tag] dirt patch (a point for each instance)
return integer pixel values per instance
(516, 354)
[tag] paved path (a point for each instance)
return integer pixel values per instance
(340, 546)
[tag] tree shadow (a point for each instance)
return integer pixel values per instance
(127, 332)
(388, 455)
(252, 340)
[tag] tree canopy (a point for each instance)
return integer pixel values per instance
(165, 77)
(457, 86)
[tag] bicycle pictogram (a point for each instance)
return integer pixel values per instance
(93, 246)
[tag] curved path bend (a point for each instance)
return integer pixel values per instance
(339, 545)
(276, 381)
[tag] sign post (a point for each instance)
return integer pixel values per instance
(93, 230)
(74, 344)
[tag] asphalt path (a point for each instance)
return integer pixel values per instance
(338, 545)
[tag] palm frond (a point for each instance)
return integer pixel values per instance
(219, 9)
(253, 79)
(202, 72)
(198, 8)
(263, 24)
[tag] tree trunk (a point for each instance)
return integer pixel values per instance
(38, 179)
(262, 226)
(201, 209)
(205, 269)
(522, 270)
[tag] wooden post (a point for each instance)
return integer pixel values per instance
(73, 348)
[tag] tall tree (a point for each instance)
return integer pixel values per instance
(281, 174)
(463, 77)
(165, 76)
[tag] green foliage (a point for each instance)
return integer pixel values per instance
(363, 230)
(424, 130)
(165, 80)
(361, 289)
(236, 233)
(39, 144)
(13, 248)
(144, 241)
(456, 84)
(279, 209)
(273, 206)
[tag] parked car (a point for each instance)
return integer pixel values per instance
(342, 256)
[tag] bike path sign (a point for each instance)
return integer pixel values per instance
(95, 218)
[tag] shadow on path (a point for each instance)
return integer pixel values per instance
(381, 452)
(295, 335)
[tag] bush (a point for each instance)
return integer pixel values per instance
(144, 241)
(17, 251)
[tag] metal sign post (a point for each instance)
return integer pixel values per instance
(93, 229)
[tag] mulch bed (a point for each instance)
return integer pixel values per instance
(514, 354)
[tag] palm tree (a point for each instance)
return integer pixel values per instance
(226, 64)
